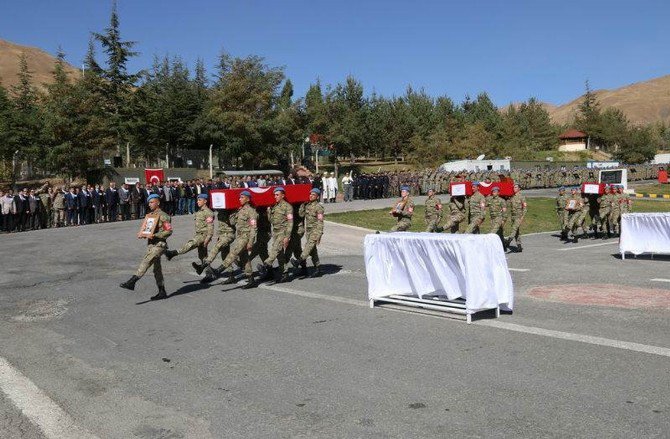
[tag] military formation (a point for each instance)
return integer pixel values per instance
(239, 240)
(474, 208)
(580, 215)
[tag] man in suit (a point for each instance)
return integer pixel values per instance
(112, 200)
(83, 198)
(71, 207)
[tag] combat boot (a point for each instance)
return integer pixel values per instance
(316, 273)
(231, 279)
(199, 267)
(265, 271)
(251, 283)
(130, 283)
(296, 262)
(171, 254)
(303, 270)
(519, 249)
(284, 278)
(161, 294)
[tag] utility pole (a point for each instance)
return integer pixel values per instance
(128, 154)
(167, 155)
(211, 172)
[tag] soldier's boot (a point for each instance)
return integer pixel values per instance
(296, 262)
(439, 229)
(210, 275)
(284, 278)
(519, 249)
(303, 270)
(316, 273)
(251, 283)
(130, 283)
(199, 268)
(161, 294)
(171, 254)
(230, 280)
(265, 271)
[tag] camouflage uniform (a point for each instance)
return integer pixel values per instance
(156, 246)
(204, 231)
(281, 217)
(605, 207)
(572, 215)
(498, 212)
(518, 208)
(403, 211)
(433, 214)
(477, 212)
(456, 214)
(560, 212)
(226, 221)
(313, 214)
(246, 220)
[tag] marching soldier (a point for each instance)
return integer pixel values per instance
(604, 209)
(297, 232)
(618, 198)
(573, 206)
(281, 218)
(433, 214)
(156, 246)
(476, 208)
(498, 212)
(403, 211)
(583, 214)
(226, 235)
(204, 231)
(313, 214)
(560, 211)
(246, 222)
(518, 209)
(456, 214)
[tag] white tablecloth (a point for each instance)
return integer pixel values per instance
(645, 233)
(472, 267)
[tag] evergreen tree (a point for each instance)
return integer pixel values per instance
(27, 126)
(7, 141)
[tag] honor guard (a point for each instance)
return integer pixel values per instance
(313, 213)
(498, 213)
(403, 211)
(560, 211)
(204, 231)
(476, 208)
(518, 208)
(226, 235)
(433, 213)
(280, 216)
(156, 246)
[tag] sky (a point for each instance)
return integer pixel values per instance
(510, 49)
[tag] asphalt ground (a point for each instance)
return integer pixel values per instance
(586, 352)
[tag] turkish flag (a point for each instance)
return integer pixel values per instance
(154, 175)
(260, 196)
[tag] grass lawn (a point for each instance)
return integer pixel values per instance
(541, 216)
(653, 189)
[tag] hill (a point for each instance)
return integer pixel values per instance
(40, 64)
(643, 102)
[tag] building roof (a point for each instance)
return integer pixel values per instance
(573, 134)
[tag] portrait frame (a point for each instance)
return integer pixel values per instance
(149, 225)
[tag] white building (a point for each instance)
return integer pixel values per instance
(476, 165)
(573, 140)
(661, 158)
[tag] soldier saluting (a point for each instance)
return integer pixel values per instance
(156, 246)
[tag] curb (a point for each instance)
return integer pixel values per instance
(652, 196)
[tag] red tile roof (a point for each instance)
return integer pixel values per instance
(573, 134)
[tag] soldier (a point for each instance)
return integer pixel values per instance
(615, 212)
(246, 224)
(573, 206)
(518, 208)
(456, 214)
(476, 209)
(560, 211)
(605, 206)
(156, 246)
(498, 212)
(433, 214)
(226, 235)
(59, 208)
(403, 211)
(204, 231)
(624, 201)
(313, 213)
(281, 217)
(583, 214)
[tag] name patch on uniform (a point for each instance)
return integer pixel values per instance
(210, 219)
(319, 216)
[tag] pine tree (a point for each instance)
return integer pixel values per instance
(26, 126)
(7, 141)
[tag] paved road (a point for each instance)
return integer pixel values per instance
(310, 359)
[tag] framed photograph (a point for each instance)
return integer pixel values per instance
(149, 224)
(572, 204)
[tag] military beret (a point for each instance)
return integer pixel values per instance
(153, 197)
(475, 183)
(495, 189)
(203, 196)
(279, 189)
(404, 188)
(562, 188)
(316, 191)
(246, 194)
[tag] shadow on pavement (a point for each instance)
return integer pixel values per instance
(644, 257)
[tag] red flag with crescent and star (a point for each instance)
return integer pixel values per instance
(154, 175)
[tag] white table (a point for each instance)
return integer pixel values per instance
(406, 267)
(644, 233)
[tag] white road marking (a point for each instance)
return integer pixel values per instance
(519, 269)
(660, 280)
(586, 246)
(588, 339)
(37, 406)
(638, 347)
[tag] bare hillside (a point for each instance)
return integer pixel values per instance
(40, 64)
